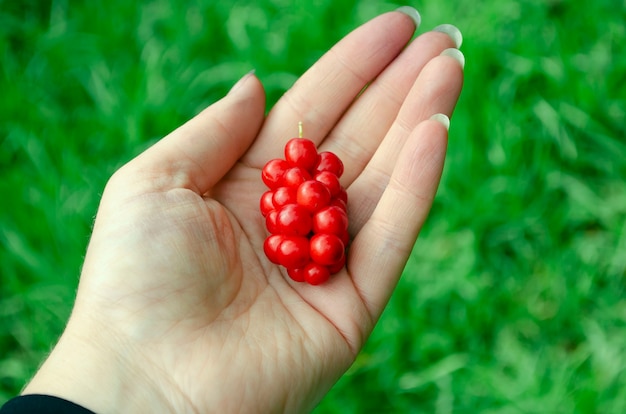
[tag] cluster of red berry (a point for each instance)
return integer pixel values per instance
(305, 212)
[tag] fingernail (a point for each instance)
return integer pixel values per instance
(241, 81)
(452, 31)
(455, 54)
(443, 119)
(412, 13)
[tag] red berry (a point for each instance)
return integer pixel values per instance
(267, 204)
(270, 247)
(326, 249)
(342, 195)
(332, 220)
(301, 152)
(328, 161)
(283, 196)
(305, 212)
(297, 274)
(339, 203)
(295, 176)
(330, 180)
(345, 238)
(293, 252)
(270, 222)
(313, 195)
(316, 274)
(332, 269)
(294, 220)
(273, 171)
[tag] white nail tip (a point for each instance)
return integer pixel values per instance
(241, 81)
(412, 13)
(455, 54)
(443, 119)
(452, 31)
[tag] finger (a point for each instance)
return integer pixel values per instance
(200, 152)
(436, 90)
(360, 131)
(380, 250)
(321, 96)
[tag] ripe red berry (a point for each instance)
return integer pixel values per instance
(297, 274)
(328, 161)
(313, 195)
(294, 220)
(331, 220)
(270, 247)
(270, 222)
(267, 203)
(330, 180)
(283, 196)
(326, 249)
(295, 176)
(345, 238)
(337, 202)
(342, 195)
(301, 152)
(316, 274)
(272, 173)
(332, 269)
(305, 212)
(293, 252)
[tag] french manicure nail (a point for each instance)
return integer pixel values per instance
(452, 31)
(412, 13)
(241, 81)
(455, 54)
(443, 119)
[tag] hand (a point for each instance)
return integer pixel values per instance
(179, 310)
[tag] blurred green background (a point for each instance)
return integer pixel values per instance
(513, 300)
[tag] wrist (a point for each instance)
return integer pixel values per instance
(98, 374)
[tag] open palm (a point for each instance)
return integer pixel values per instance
(175, 286)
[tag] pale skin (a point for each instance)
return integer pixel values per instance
(178, 310)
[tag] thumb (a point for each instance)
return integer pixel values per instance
(200, 152)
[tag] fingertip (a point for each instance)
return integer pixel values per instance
(412, 13)
(237, 86)
(248, 94)
(455, 54)
(249, 85)
(443, 119)
(452, 31)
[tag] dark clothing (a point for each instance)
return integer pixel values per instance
(42, 404)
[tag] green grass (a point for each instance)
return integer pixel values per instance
(513, 300)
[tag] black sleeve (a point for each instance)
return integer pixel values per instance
(41, 404)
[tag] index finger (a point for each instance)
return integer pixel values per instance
(323, 94)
